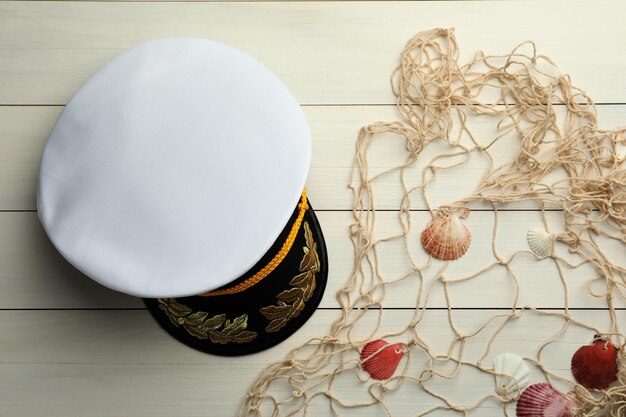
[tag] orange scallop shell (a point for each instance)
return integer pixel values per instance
(383, 364)
(541, 400)
(446, 237)
(595, 366)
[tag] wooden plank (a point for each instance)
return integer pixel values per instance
(24, 131)
(119, 363)
(200, 1)
(33, 274)
(327, 52)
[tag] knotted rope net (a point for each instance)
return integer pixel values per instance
(560, 166)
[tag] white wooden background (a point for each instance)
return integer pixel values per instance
(69, 347)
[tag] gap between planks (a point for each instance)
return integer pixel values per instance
(336, 309)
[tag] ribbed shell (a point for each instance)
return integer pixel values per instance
(511, 374)
(383, 364)
(446, 237)
(595, 366)
(540, 241)
(541, 400)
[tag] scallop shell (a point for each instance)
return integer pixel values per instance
(595, 366)
(541, 400)
(540, 241)
(383, 364)
(511, 374)
(446, 237)
(619, 138)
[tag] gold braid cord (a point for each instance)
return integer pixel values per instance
(303, 206)
(558, 163)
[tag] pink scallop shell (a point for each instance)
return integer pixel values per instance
(383, 364)
(446, 237)
(541, 400)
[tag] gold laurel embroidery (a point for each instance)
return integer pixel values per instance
(199, 325)
(291, 302)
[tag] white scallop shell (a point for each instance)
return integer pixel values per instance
(511, 374)
(446, 237)
(540, 241)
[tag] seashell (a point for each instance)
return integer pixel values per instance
(541, 400)
(619, 138)
(383, 364)
(446, 237)
(511, 374)
(595, 366)
(540, 241)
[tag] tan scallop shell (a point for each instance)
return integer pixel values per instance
(539, 241)
(446, 237)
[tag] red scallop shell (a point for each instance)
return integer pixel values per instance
(383, 364)
(541, 400)
(595, 366)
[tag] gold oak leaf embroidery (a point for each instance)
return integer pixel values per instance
(291, 302)
(217, 328)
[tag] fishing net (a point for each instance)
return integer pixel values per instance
(558, 166)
